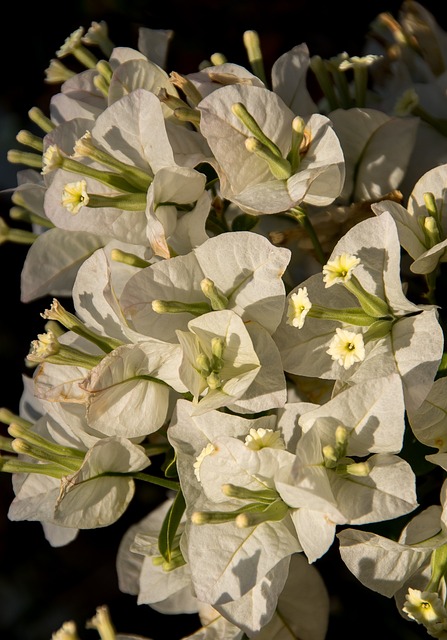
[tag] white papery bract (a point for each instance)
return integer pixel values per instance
(98, 286)
(35, 499)
(222, 360)
(429, 421)
(171, 187)
(244, 267)
(246, 557)
(94, 497)
(334, 479)
(61, 383)
(141, 572)
(64, 251)
(289, 76)
(390, 564)
(214, 77)
(412, 342)
(83, 462)
(168, 590)
(148, 148)
(126, 392)
(421, 230)
(53, 259)
(78, 98)
(36, 494)
(414, 84)
(295, 614)
(377, 150)
(245, 178)
(415, 560)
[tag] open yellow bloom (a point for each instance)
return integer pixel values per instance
(299, 305)
(347, 348)
(339, 269)
(75, 196)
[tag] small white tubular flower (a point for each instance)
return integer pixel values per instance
(262, 438)
(57, 72)
(102, 623)
(51, 159)
(75, 196)
(97, 34)
(425, 607)
(206, 451)
(339, 269)
(347, 347)
(352, 62)
(71, 42)
(299, 305)
(68, 631)
(45, 346)
(82, 146)
(406, 103)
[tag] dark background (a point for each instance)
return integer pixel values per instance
(41, 587)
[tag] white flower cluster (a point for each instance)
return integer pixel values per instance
(253, 284)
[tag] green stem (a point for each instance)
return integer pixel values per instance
(438, 568)
(85, 57)
(301, 216)
(20, 236)
(161, 482)
(430, 279)
(442, 369)
(23, 215)
(342, 85)
(13, 465)
(318, 66)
